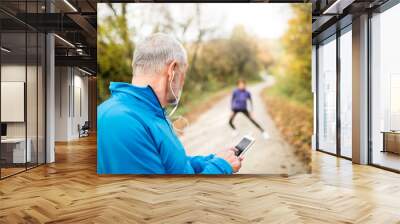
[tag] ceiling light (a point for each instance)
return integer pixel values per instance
(70, 5)
(80, 51)
(84, 71)
(5, 50)
(338, 6)
(64, 40)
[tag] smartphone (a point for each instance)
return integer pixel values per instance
(244, 145)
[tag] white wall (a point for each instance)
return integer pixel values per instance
(70, 84)
(79, 111)
(62, 81)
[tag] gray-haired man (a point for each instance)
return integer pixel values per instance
(134, 134)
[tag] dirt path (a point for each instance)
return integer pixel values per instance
(211, 132)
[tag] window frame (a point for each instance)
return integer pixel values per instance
(347, 27)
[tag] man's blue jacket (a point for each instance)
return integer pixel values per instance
(135, 137)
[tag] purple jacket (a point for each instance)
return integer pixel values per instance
(239, 99)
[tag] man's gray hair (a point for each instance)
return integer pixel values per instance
(156, 51)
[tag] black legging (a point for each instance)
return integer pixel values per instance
(245, 112)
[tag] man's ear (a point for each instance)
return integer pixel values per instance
(171, 69)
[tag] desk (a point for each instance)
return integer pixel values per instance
(13, 150)
(391, 141)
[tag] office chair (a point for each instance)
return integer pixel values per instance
(84, 130)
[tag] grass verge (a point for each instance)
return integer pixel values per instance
(293, 119)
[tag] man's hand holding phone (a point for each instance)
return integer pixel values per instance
(229, 154)
(235, 155)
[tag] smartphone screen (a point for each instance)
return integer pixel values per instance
(242, 146)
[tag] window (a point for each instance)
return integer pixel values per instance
(346, 93)
(327, 96)
(15, 146)
(385, 89)
(22, 88)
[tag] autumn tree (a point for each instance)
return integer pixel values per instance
(293, 68)
(215, 61)
(115, 50)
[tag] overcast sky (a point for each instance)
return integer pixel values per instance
(266, 20)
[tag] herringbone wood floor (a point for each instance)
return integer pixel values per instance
(70, 191)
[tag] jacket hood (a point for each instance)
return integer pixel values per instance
(143, 95)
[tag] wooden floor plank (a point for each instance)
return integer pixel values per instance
(70, 191)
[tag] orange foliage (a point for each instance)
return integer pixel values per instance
(294, 121)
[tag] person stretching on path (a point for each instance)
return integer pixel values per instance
(239, 105)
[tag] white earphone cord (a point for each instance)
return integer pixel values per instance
(173, 93)
(176, 107)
